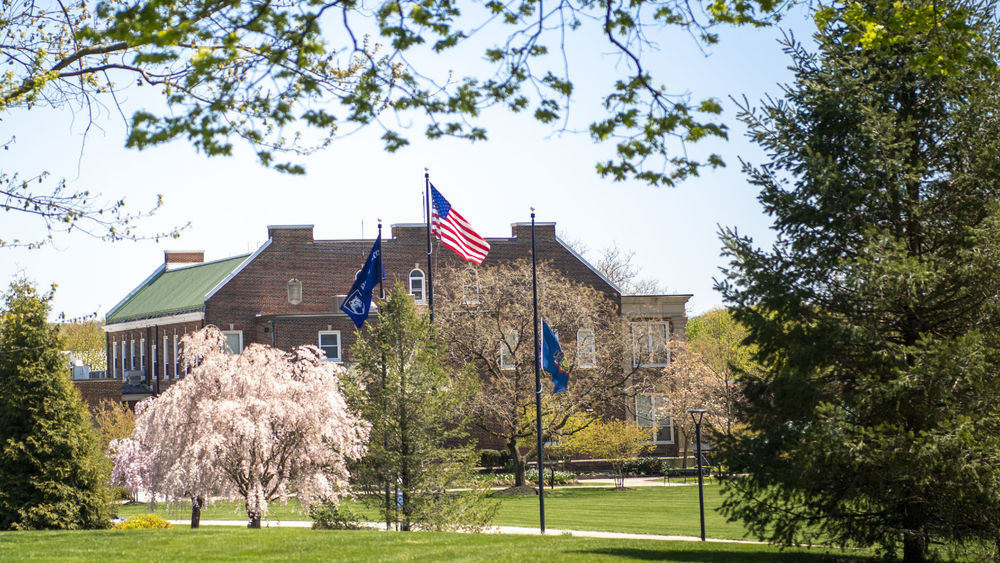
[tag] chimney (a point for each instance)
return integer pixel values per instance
(174, 259)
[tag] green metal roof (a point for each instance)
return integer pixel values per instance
(174, 291)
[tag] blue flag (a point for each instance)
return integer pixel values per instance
(553, 359)
(359, 298)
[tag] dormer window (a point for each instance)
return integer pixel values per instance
(294, 291)
(417, 284)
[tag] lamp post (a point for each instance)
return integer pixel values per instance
(696, 416)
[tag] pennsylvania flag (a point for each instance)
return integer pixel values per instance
(359, 298)
(553, 359)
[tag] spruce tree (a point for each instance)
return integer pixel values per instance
(419, 409)
(52, 471)
(876, 314)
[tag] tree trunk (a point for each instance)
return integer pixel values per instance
(684, 450)
(518, 461)
(914, 547)
(254, 520)
(196, 504)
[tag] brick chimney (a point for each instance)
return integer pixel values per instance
(174, 259)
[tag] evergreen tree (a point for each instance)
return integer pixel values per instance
(52, 470)
(876, 418)
(419, 411)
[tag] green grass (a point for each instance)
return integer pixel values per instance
(296, 544)
(643, 510)
(227, 510)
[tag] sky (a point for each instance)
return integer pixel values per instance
(348, 187)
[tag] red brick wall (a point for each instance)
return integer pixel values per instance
(255, 301)
(94, 391)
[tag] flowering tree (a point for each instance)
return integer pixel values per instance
(690, 382)
(262, 424)
(489, 324)
(614, 440)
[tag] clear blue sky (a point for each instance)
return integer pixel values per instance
(230, 201)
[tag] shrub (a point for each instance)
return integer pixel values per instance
(645, 466)
(531, 477)
(329, 516)
(143, 522)
(493, 459)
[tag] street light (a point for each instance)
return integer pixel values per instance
(696, 416)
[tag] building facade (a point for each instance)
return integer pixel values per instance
(289, 291)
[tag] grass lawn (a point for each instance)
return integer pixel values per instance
(643, 510)
(229, 510)
(296, 544)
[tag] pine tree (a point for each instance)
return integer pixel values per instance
(876, 420)
(52, 471)
(419, 411)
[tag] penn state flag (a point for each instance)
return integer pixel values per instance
(553, 359)
(359, 298)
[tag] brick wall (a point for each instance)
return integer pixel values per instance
(94, 391)
(255, 301)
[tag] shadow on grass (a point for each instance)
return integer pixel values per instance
(722, 555)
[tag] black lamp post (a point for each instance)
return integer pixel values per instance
(696, 416)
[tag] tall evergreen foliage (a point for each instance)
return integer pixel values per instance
(52, 471)
(876, 418)
(419, 411)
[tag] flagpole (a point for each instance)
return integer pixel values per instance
(428, 207)
(538, 382)
(381, 260)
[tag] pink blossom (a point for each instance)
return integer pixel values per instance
(264, 424)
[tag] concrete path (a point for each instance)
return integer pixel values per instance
(516, 530)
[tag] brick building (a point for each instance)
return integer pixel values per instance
(289, 291)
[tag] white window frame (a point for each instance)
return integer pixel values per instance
(644, 343)
(653, 421)
(123, 360)
(586, 348)
(114, 360)
(507, 350)
(470, 286)
(175, 356)
(227, 334)
(340, 344)
(423, 284)
(166, 357)
(152, 367)
(142, 355)
(131, 362)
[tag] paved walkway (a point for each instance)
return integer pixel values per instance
(516, 530)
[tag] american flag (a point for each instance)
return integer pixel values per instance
(454, 231)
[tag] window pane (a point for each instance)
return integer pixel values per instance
(659, 337)
(643, 411)
(234, 342)
(329, 342)
(417, 284)
(507, 346)
(664, 433)
(586, 349)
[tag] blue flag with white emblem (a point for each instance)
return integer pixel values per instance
(553, 359)
(359, 298)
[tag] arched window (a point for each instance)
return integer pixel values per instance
(294, 291)
(417, 285)
(470, 286)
